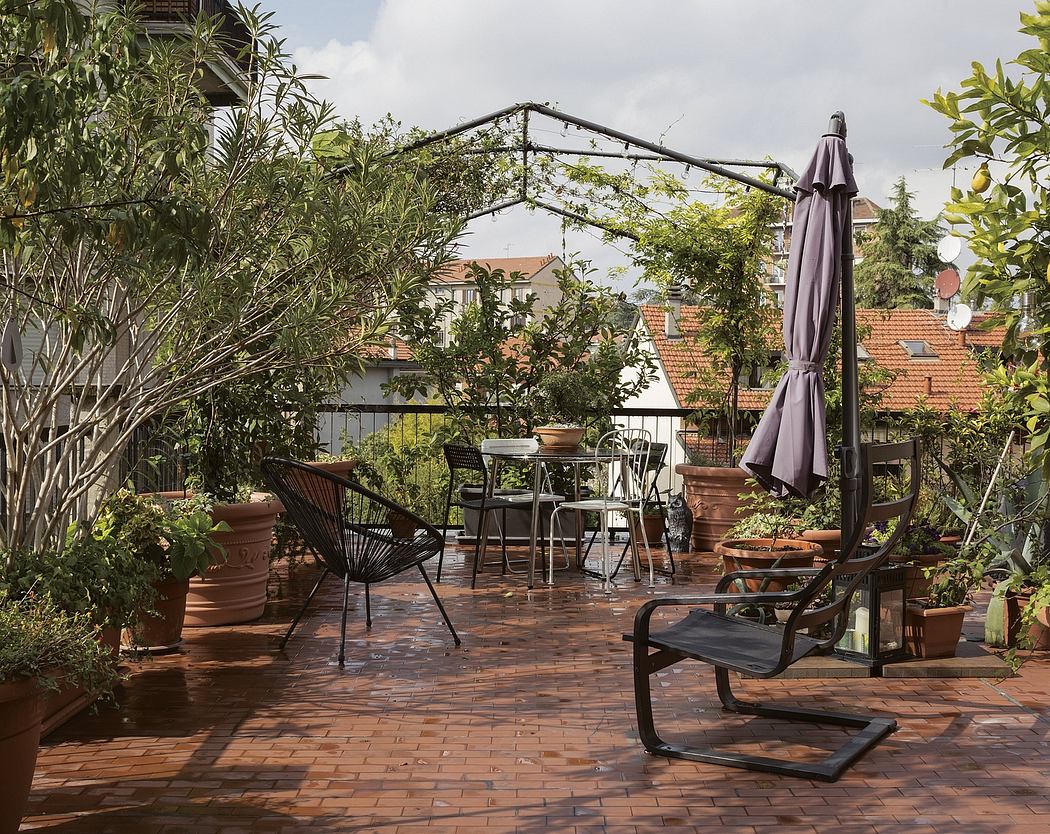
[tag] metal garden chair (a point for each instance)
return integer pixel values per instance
(732, 644)
(353, 533)
(462, 457)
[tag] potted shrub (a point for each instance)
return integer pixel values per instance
(759, 542)
(41, 648)
(933, 624)
(653, 522)
(560, 401)
(176, 537)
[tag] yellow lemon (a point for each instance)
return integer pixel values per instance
(981, 180)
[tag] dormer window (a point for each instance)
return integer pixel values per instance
(862, 353)
(918, 349)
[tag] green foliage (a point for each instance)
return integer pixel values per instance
(508, 368)
(166, 271)
(38, 639)
(1003, 119)
(900, 256)
(175, 536)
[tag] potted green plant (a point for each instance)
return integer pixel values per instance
(761, 541)
(41, 648)
(933, 624)
(176, 537)
(560, 401)
(654, 522)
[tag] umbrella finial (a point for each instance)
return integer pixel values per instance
(837, 125)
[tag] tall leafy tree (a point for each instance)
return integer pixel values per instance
(900, 256)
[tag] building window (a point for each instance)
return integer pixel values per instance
(918, 349)
(469, 297)
(862, 353)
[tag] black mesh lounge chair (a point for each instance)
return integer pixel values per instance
(732, 644)
(354, 533)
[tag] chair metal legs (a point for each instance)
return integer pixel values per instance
(441, 608)
(342, 627)
(872, 728)
(302, 610)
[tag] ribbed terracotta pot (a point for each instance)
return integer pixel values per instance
(21, 708)
(933, 632)
(162, 631)
(713, 495)
(738, 554)
(65, 702)
(234, 590)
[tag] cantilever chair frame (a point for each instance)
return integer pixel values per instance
(871, 728)
(332, 538)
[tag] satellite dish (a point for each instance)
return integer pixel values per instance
(947, 283)
(960, 317)
(948, 249)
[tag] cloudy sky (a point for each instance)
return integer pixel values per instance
(731, 78)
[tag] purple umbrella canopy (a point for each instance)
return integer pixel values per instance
(789, 451)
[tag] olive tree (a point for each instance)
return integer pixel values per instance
(144, 266)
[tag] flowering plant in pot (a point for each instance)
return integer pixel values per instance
(41, 648)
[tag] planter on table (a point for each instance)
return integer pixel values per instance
(21, 710)
(713, 495)
(563, 438)
(234, 589)
(755, 554)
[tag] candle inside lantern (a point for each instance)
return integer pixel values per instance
(860, 629)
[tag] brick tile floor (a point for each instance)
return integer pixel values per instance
(528, 727)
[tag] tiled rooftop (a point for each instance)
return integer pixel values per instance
(528, 727)
(951, 380)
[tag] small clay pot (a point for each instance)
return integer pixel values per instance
(933, 632)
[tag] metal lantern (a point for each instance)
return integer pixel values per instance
(875, 625)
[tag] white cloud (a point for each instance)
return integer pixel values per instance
(742, 79)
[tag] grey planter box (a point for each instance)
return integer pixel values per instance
(519, 523)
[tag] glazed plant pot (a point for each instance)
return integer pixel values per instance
(560, 437)
(933, 632)
(21, 708)
(713, 495)
(741, 554)
(162, 631)
(234, 589)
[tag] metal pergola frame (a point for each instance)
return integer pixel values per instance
(638, 149)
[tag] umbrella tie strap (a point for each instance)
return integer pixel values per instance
(803, 365)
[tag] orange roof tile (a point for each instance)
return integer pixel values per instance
(952, 380)
(457, 270)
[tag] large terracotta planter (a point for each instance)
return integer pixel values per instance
(559, 437)
(162, 631)
(234, 590)
(21, 708)
(830, 542)
(65, 702)
(933, 632)
(737, 554)
(342, 468)
(1039, 632)
(713, 495)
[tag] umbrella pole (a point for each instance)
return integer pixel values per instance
(850, 449)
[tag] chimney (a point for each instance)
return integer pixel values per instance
(673, 315)
(961, 335)
(929, 384)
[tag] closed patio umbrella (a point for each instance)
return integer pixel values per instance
(789, 452)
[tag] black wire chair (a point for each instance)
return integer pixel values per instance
(734, 644)
(355, 534)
